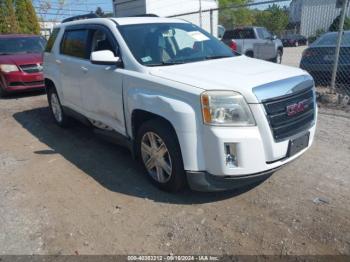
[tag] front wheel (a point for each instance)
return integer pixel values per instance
(160, 154)
(56, 109)
(3, 93)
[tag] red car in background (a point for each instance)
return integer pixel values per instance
(21, 63)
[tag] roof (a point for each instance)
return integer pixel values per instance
(17, 35)
(146, 20)
(126, 21)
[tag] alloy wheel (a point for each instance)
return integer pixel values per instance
(56, 108)
(156, 157)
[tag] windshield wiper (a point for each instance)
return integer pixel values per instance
(216, 57)
(166, 63)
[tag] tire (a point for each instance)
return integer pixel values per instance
(278, 58)
(164, 168)
(3, 93)
(56, 109)
(250, 54)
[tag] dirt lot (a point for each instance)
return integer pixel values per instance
(69, 192)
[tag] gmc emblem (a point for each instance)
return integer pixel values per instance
(297, 108)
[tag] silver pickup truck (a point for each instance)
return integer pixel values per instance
(255, 42)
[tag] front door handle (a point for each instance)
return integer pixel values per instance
(58, 61)
(84, 69)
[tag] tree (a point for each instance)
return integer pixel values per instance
(33, 24)
(318, 33)
(101, 13)
(274, 18)
(336, 24)
(8, 20)
(21, 13)
(239, 16)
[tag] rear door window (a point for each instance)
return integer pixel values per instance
(74, 43)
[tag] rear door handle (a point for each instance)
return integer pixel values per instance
(84, 69)
(58, 61)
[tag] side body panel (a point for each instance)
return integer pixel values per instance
(180, 107)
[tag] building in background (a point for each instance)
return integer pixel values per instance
(171, 8)
(312, 15)
(47, 27)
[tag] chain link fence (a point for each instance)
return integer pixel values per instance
(261, 28)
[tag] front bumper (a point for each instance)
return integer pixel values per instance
(258, 155)
(20, 81)
(205, 182)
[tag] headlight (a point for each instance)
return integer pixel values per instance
(8, 68)
(226, 108)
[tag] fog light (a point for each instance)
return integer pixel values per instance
(231, 155)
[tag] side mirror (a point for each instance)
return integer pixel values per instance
(104, 57)
(273, 37)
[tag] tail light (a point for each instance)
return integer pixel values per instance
(233, 45)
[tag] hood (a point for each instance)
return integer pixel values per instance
(240, 74)
(21, 59)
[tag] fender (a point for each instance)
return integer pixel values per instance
(179, 113)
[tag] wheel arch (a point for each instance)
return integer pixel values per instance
(179, 115)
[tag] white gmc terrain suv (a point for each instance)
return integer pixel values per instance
(189, 109)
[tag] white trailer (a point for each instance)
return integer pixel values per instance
(188, 10)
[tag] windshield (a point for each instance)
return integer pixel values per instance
(331, 40)
(172, 43)
(21, 45)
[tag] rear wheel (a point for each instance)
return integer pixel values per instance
(250, 54)
(278, 58)
(160, 154)
(56, 109)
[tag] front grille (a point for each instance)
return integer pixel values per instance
(34, 83)
(286, 123)
(33, 68)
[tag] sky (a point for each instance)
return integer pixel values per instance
(70, 8)
(79, 7)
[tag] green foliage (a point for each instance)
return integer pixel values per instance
(273, 18)
(18, 16)
(21, 13)
(318, 33)
(336, 24)
(8, 21)
(101, 13)
(33, 24)
(232, 17)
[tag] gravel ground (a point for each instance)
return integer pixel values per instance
(70, 192)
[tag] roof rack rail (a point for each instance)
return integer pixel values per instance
(145, 15)
(80, 17)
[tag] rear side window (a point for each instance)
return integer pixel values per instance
(246, 33)
(74, 43)
(52, 40)
(228, 34)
